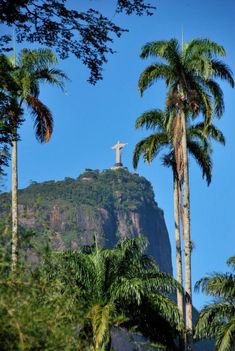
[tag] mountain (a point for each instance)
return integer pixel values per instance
(110, 205)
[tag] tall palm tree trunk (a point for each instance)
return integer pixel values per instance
(179, 275)
(14, 206)
(187, 238)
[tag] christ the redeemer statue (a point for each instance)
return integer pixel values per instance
(118, 147)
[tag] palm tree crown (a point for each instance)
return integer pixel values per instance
(31, 68)
(199, 139)
(217, 320)
(26, 73)
(189, 73)
(115, 286)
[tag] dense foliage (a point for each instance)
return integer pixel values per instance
(10, 111)
(87, 34)
(72, 300)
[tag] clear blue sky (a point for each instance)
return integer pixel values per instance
(90, 119)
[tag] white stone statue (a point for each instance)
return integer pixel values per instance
(118, 147)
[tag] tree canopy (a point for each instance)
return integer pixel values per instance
(52, 23)
(73, 298)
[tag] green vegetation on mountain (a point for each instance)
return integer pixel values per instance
(92, 188)
(110, 204)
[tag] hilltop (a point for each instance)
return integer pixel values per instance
(108, 204)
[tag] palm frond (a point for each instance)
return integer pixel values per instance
(217, 285)
(36, 59)
(153, 119)
(165, 49)
(43, 121)
(200, 65)
(161, 282)
(212, 317)
(128, 289)
(167, 308)
(206, 132)
(217, 94)
(149, 147)
(222, 71)
(204, 46)
(168, 160)
(215, 134)
(231, 262)
(202, 157)
(151, 74)
(52, 76)
(225, 340)
(100, 319)
(205, 100)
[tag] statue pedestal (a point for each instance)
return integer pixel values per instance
(119, 166)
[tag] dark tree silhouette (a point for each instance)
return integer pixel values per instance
(86, 34)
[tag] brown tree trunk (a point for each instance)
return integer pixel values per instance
(187, 239)
(14, 206)
(179, 275)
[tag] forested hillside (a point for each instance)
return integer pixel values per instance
(108, 205)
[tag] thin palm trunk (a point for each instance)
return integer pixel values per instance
(14, 206)
(187, 238)
(179, 275)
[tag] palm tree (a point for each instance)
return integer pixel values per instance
(115, 287)
(30, 69)
(189, 73)
(198, 140)
(217, 319)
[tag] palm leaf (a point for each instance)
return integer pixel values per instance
(52, 76)
(153, 119)
(202, 157)
(149, 147)
(217, 92)
(218, 285)
(43, 121)
(36, 59)
(225, 340)
(222, 71)
(151, 74)
(231, 262)
(168, 50)
(203, 47)
(100, 319)
(168, 310)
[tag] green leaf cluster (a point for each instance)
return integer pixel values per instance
(217, 319)
(73, 299)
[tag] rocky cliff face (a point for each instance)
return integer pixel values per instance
(110, 205)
